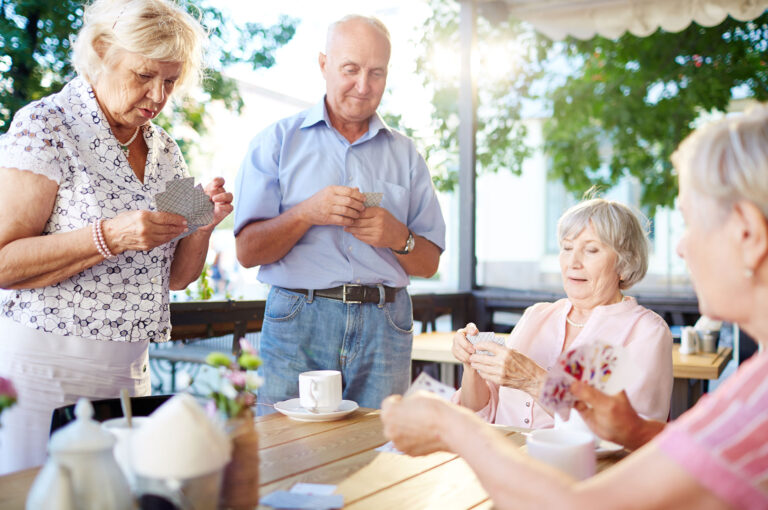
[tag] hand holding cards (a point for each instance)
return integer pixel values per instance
(372, 199)
(605, 367)
(486, 336)
(182, 197)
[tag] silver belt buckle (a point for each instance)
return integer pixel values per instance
(344, 294)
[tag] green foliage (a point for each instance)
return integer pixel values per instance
(501, 89)
(203, 290)
(618, 107)
(34, 58)
(632, 100)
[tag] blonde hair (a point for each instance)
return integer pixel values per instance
(617, 226)
(156, 29)
(728, 160)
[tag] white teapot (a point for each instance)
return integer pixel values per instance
(81, 471)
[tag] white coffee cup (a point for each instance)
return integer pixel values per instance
(320, 390)
(118, 427)
(570, 451)
(689, 340)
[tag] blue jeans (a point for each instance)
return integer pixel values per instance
(370, 344)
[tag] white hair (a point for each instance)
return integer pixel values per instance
(374, 22)
(156, 29)
(727, 160)
(618, 227)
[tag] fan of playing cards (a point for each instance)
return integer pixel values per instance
(486, 336)
(605, 367)
(181, 196)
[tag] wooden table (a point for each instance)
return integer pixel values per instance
(342, 453)
(690, 371)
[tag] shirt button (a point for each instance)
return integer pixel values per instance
(350, 248)
(527, 404)
(155, 280)
(527, 420)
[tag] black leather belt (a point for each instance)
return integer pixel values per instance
(353, 293)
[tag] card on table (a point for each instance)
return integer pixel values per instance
(285, 499)
(372, 198)
(182, 197)
(486, 336)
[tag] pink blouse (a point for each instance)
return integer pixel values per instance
(723, 440)
(540, 335)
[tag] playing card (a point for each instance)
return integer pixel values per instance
(182, 197)
(321, 489)
(389, 447)
(486, 336)
(603, 366)
(285, 499)
(427, 383)
(372, 199)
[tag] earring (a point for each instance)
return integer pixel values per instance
(748, 273)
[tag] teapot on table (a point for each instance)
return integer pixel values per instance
(81, 471)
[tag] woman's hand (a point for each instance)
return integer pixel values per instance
(508, 367)
(142, 230)
(612, 417)
(462, 349)
(222, 203)
(413, 423)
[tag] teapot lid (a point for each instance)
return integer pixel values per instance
(82, 435)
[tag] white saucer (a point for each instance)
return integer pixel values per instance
(293, 410)
(606, 448)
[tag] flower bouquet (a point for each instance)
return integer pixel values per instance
(233, 399)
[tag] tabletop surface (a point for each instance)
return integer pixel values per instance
(343, 453)
(436, 346)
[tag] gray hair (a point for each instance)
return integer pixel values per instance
(156, 29)
(727, 160)
(617, 226)
(374, 22)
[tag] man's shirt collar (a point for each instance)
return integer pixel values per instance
(319, 113)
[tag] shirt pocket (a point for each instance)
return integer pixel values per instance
(395, 199)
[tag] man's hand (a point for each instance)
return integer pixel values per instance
(377, 227)
(333, 205)
(612, 417)
(508, 367)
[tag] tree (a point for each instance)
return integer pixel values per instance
(617, 107)
(34, 57)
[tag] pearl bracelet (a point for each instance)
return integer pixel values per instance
(98, 240)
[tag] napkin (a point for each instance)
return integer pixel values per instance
(179, 441)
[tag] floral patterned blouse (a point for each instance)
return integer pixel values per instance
(66, 138)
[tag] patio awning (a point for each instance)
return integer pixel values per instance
(584, 19)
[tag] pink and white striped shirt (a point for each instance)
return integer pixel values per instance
(723, 440)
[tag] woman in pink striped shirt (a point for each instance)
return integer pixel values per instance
(716, 454)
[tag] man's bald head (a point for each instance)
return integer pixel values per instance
(352, 22)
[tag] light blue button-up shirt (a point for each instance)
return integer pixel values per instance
(298, 156)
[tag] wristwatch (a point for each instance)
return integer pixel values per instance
(409, 244)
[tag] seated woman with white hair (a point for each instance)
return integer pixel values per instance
(603, 252)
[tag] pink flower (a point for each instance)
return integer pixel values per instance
(237, 378)
(246, 346)
(7, 389)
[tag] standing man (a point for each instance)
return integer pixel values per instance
(339, 269)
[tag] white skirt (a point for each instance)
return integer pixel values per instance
(51, 371)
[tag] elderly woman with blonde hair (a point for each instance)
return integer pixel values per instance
(88, 257)
(714, 456)
(603, 252)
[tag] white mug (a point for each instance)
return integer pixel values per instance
(118, 427)
(320, 390)
(689, 340)
(569, 451)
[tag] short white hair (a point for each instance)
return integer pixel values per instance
(727, 160)
(155, 29)
(618, 227)
(374, 22)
